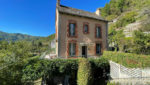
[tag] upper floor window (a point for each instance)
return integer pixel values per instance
(85, 28)
(98, 49)
(72, 28)
(98, 32)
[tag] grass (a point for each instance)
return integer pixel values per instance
(128, 59)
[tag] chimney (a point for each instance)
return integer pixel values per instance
(58, 2)
(98, 12)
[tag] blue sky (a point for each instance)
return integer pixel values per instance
(37, 17)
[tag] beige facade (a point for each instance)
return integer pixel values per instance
(82, 39)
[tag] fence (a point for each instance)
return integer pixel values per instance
(118, 71)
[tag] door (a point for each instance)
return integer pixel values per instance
(84, 51)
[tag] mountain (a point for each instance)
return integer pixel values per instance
(17, 36)
(128, 15)
(38, 44)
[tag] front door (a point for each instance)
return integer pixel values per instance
(84, 51)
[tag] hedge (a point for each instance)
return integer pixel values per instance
(48, 69)
(84, 72)
(128, 59)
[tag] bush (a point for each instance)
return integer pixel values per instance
(111, 17)
(128, 59)
(128, 18)
(84, 72)
(100, 70)
(36, 69)
(48, 69)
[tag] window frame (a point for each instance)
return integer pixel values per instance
(101, 46)
(96, 26)
(84, 24)
(72, 53)
(68, 48)
(68, 28)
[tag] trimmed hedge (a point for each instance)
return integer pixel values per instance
(84, 72)
(38, 68)
(48, 69)
(128, 59)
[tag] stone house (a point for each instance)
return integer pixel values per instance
(80, 33)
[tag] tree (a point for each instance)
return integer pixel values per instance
(141, 43)
(117, 38)
(106, 10)
(12, 59)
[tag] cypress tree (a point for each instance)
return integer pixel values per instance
(84, 76)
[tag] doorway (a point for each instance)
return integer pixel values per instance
(84, 51)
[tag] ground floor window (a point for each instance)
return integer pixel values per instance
(98, 49)
(72, 49)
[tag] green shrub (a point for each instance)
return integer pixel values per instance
(128, 59)
(126, 19)
(37, 68)
(100, 70)
(48, 69)
(84, 72)
(111, 17)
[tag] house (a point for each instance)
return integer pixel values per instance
(80, 33)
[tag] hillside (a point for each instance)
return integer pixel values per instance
(16, 36)
(38, 45)
(129, 29)
(134, 13)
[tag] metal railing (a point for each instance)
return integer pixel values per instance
(120, 71)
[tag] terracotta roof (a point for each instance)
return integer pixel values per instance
(77, 12)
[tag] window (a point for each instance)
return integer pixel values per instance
(85, 28)
(98, 49)
(72, 49)
(98, 32)
(72, 29)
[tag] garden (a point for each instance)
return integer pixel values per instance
(130, 60)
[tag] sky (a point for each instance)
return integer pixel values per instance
(37, 17)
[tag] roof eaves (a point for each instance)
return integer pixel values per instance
(77, 12)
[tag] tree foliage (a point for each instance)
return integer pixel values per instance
(128, 18)
(14, 55)
(117, 39)
(12, 58)
(141, 43)
(117, 7)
